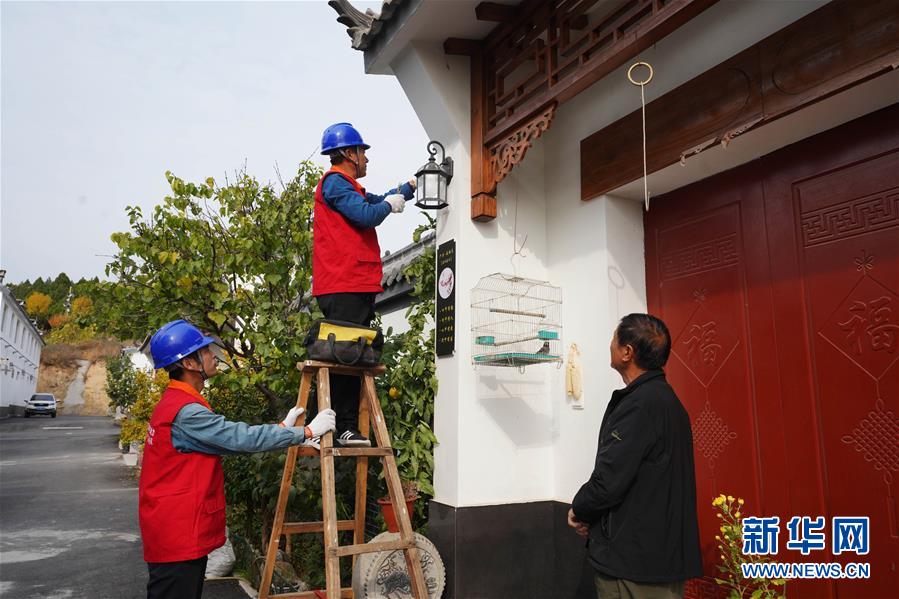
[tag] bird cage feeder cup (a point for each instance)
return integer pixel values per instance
(516, 322)
(432, 179)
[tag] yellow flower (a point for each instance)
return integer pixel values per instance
(736, 514)
(717, 538)
(730, 498)
(740, 501)
(719, 515)
(723, 529)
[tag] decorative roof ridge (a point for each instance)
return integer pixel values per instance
(363, 27)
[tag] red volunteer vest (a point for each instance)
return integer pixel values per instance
(345, 258)
(182, 495)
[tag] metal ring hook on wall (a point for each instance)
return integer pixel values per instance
(630, 73)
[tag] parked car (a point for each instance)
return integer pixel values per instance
(41, 403)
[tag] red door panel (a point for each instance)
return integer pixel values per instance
(712, 290)
(839, 310)
(778, 281)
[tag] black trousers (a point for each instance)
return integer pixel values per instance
(358, 308)
(176, 580)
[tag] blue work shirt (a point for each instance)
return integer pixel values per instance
(197, 429)
(364, 213)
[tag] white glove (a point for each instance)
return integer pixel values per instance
(397, 202)
(292, 416)
(323, 422)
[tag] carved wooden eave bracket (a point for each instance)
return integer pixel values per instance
(542, 54)
(511, 150)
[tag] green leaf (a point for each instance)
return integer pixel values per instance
(217, 317)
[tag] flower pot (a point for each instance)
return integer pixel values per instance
(130, 459)
(389, 516)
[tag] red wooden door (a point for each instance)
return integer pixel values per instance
(779, 281)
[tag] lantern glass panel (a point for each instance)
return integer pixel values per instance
(441, 189)
(431, 183)
(420, 187)
(419, 181)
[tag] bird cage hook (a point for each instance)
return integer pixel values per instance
(517, 250)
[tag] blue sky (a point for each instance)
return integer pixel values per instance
(100, 99)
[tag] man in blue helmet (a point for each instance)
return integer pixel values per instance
(182, 486)
(346, 257)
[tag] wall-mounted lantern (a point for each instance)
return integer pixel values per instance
(432, 179)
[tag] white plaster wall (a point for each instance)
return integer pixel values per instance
(21, 354)
(506, 437)
(441, 102)
(493, 425)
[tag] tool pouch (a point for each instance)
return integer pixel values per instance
(346, 343)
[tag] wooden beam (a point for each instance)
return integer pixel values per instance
(825, 52)
(495, 12)
(483, 185)
(483, 208)
(457, 46)
(579, 23)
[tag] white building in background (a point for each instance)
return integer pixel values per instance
(20, 354)
(140, 360)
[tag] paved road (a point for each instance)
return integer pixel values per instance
(68, 513)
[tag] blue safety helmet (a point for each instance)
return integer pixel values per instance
(176, 340)
(341, 135)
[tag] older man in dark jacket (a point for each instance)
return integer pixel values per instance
(638, 509)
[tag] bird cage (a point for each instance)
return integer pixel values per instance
(516, 322)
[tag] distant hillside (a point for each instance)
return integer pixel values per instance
(82, 364)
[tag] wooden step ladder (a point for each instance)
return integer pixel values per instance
(369, 412)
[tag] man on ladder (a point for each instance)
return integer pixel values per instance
(182, 486)
(346, 257)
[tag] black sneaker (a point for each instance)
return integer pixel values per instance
(351, 438)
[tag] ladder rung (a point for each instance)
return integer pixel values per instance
(346, 593)
(371, 547)
(341, 369)
(307, 452)
(297, 528)
(357, 452)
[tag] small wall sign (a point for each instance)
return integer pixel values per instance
(446, 298)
